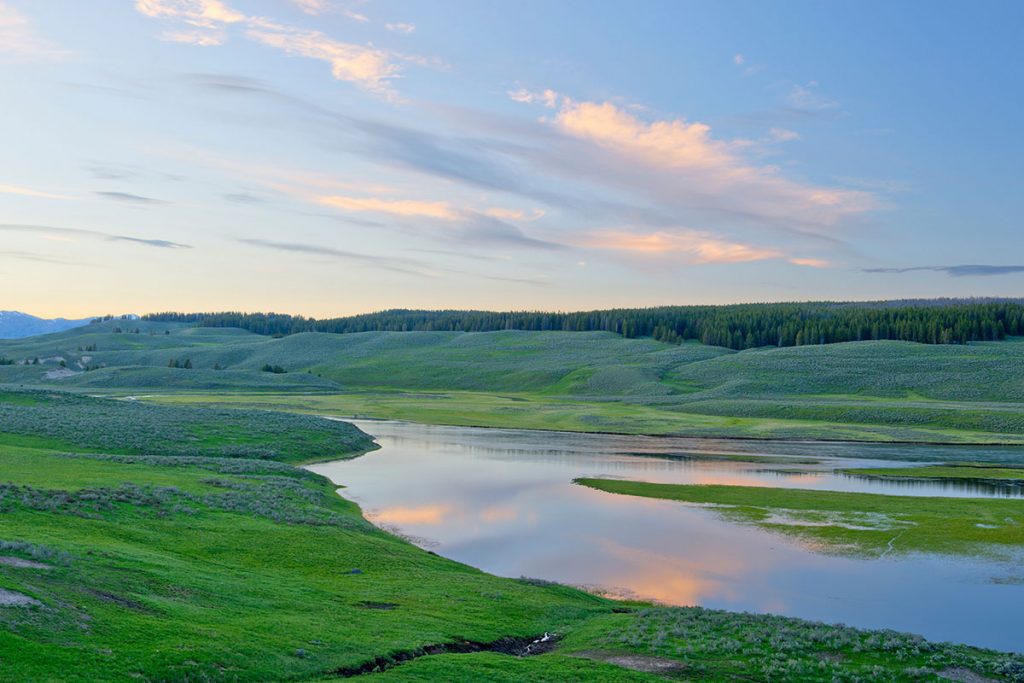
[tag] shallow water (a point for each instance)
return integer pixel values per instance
(503, 501)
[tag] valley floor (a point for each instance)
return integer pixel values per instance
(180, 543)
(540, 411)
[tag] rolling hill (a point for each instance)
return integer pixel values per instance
(594, 381)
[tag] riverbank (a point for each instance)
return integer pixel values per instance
(540, 412)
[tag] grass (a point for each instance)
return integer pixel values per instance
(976, 472)
(858, 523)
(207, 562)
(578, 381)
(69, 421)
(534, 411)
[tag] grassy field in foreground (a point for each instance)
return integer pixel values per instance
(581, 381)
(858, 523)
(206, 563)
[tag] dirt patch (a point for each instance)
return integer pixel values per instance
(118, 600)
(23, 564)
(963, 675)
(510, 645)
(645, 663)
(60, 373)
(15, 599)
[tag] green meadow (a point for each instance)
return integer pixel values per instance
(966, 472)
(856, 523)
(145, 542)
(576, 381)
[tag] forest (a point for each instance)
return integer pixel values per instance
(740, 326)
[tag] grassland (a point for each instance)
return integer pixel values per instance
(855, 523)
(579, 381)
(984, 473)
(174, 557)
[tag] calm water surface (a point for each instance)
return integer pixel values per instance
(503, 501)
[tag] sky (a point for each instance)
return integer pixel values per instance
(331, 157)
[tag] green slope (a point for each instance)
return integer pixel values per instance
(561, 380)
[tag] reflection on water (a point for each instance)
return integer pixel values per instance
(503, 501)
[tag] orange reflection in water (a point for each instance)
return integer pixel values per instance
(674, 579)
(499, 513)
(424, 514)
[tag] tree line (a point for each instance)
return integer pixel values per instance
(740, 326)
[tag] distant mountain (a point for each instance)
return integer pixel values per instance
(15, 324)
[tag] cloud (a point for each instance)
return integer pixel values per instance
(688, 245)
(513, 214)
(19, 40)
(549, 98)
(312, 6)
(129, 198)
(738, 59)
(810, 262)
(686, 166)
(161, 244)
(486, 230)
(805, 98)
(201, 13)
(398, 265)
(200, 38)
(396, 207)
(592, 161)
(243, 198)
(366, 67)
(30, 192)
(357, 16)
(783, 135)
(51, 232)
(966, 270)
(40, 258)
(401, 28)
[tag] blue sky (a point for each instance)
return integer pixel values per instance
(328, 157)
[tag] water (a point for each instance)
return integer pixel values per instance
(503, 501)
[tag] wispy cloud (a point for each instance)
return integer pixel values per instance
(367, 67)
(398, 265)
(783, 135)
(807, 98)
(401, 27)
(397, 207)
(312, 6)
(484, 230)
(964, 270)
(688, 246)
(19, 39)
(51, 232)
(160, 244)
(129, 198)
(549, 98)
(681, 160)
(207, 21)
(31, 192)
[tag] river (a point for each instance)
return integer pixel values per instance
(504, 501)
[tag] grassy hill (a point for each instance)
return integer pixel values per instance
(594, 381)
